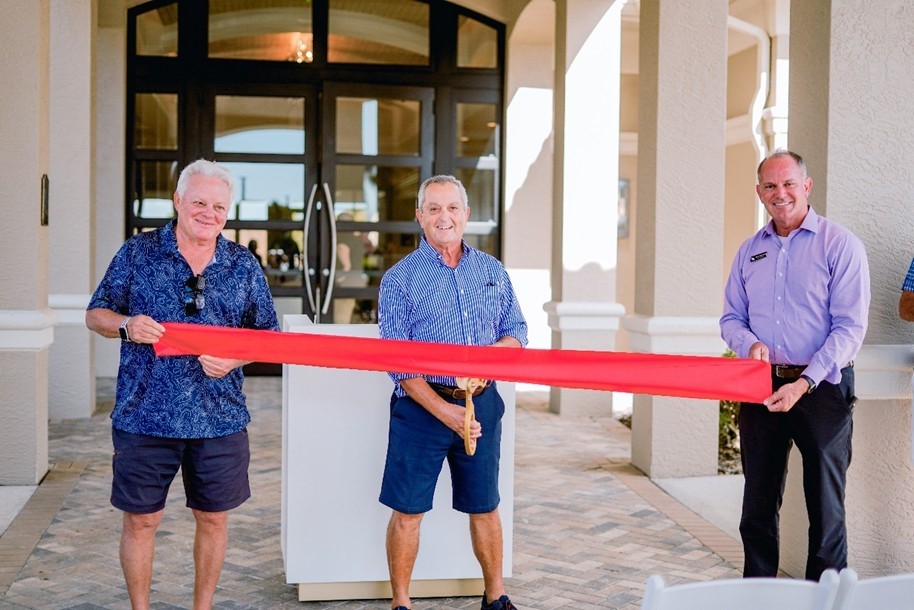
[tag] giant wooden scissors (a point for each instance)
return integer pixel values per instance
(469, 385)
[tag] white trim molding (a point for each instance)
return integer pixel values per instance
(70, 308)
(674, 335)
(583, 315)
(883, 372)
(27, 329)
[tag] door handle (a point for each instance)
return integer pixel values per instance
(306, 264)
(331, 271)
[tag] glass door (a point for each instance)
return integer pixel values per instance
(269, 143)
(378, 146)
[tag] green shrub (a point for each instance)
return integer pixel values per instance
(728, 456)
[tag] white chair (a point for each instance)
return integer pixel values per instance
(882, 593)
(743, 594)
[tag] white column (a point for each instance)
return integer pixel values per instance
(26, 325)
(775, 115)
(583, 313)
(71, 392)
(679, 246)
(851, 88)
(109, 82)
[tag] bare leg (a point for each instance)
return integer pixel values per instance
(137, 549)
(402, 548)
(210, 541)
(485, 531)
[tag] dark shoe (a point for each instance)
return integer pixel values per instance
(401, 608)
(502, 603)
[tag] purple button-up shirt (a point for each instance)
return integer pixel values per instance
(807, 300)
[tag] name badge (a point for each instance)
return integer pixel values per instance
(757, 257)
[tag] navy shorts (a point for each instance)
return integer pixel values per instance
(215, 471)
(418, 443)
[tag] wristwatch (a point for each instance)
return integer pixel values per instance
(123, 330)
(812, 384)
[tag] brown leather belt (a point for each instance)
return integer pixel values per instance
(449, 391)
(793, 371)
(788, 371)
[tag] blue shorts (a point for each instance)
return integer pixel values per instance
(215, 471)
(417, 446)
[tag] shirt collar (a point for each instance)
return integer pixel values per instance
(428, 251)
(810, 223)
(170, 243)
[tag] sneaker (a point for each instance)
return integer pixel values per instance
(502, 603)
(401, 608)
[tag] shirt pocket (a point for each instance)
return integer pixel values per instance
(486, 301)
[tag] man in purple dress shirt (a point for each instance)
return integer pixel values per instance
(798, 297)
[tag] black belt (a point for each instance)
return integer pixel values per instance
(449, 391)
(793, 371)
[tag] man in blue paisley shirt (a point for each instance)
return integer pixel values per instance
(445, 292)
(180, 412)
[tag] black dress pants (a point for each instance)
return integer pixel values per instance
(821, 425)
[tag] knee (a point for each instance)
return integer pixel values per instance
(403, 522)
(211, 520)
(136, 524)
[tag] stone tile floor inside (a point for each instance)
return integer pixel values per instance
(588, 528)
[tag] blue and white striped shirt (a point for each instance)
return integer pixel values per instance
(908, 285)
(423, 299)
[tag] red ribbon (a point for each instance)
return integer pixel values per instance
(657, 374)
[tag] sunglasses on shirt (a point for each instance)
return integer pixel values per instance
(193, 295)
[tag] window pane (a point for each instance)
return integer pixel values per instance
(268, 191)
(477, 44)
(378, 32)
(157, 31)
(260, 124)
(255, 240)
(392, 247)
(154, 187)
(486, 243)
(480, 186)
(272, 30)
(349, 310)
(477, 130)
(283, 264)
(372, 126)
(375, 193)
(156, 121)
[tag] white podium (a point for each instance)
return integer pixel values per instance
(334, 441)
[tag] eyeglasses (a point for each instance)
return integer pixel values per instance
(193, 295)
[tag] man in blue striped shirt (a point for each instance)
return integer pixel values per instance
(445, 292)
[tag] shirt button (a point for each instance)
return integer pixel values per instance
(466, 315)
(779, 298)
(778, 322)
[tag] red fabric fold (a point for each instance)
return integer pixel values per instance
(656, 374)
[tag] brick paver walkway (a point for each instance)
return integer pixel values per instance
(589, 529)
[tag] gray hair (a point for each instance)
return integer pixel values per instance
(202, 167)
(441, 179)
(783, 152)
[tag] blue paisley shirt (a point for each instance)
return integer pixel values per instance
(423, 299)
(171, 396)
